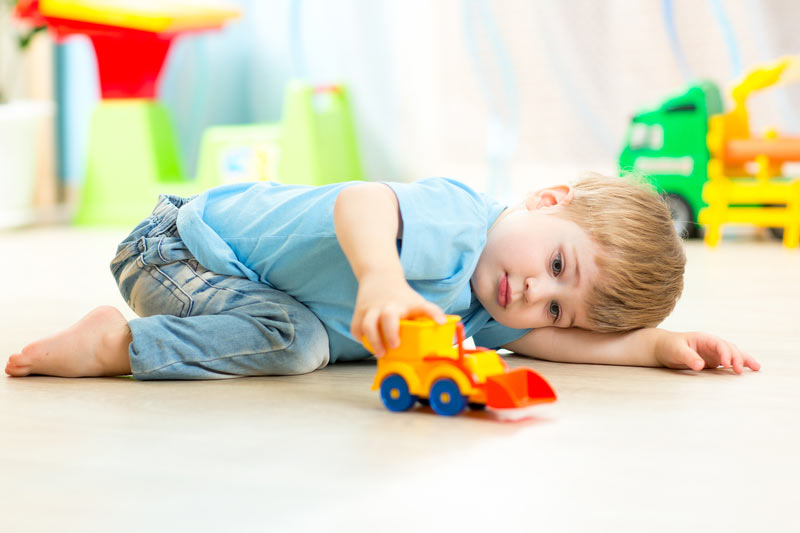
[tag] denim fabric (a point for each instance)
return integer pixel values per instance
(197, 324)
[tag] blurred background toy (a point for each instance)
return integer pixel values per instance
(127, 167)
(132, 150)
(708, 164)
(667, 144)
(507, 97)
(314, 144)
(747, 183)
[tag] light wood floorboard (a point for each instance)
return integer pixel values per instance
(624, 449)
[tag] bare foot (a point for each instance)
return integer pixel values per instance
(96, 345)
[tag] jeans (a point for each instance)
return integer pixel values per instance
(197, 324)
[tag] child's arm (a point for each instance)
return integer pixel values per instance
(642, 347)
(368, 224)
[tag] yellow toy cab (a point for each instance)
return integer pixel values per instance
(428, 367)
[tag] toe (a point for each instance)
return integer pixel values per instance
(15, 366)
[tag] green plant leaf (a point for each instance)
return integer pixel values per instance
(25, 39)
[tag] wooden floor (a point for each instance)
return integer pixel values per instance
(624, 449)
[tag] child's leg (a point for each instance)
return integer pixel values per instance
(219, 327)
(197, 325)
(202, 325)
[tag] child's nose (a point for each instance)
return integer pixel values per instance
(534, 290)
(529, 290)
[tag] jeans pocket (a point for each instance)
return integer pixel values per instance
(158, 289)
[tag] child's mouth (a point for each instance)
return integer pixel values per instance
(503, 294)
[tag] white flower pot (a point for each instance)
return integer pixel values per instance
(20, 132)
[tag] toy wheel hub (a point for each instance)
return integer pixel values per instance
(446, 398)
(395, 393)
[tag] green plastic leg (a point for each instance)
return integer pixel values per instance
(132, 158)
(318, 140)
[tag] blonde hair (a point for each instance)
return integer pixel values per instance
(640, 260)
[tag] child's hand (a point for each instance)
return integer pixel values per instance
(380, 305)
(698, 350)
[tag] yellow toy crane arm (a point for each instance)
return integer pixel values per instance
(784, 70)
(736, 124)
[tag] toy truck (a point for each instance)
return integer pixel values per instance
(428, 367)
(668, 145)
(710, 167)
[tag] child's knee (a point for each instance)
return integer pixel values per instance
(310, 350)
(310, 361)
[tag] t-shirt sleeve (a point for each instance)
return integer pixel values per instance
(444, 227)
(494, 335)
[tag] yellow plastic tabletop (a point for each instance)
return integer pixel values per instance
(159, 16)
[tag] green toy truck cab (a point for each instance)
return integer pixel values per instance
(668, 146)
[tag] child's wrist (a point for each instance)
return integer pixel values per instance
(657, 338)
(380, 271)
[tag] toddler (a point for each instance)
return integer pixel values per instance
(269, 279)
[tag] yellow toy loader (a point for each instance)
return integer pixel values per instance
(428, 367)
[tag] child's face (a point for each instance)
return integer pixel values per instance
(536, 269)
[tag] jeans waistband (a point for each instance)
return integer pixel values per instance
(165, 215)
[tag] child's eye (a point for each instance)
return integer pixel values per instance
(555, 310)
(558, 264)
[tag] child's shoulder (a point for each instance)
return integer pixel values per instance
(440, 193)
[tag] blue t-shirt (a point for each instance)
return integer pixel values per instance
(284, 236)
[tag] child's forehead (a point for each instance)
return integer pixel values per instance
(590, 254)
(563, 225)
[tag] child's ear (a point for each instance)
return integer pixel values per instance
(557, 195)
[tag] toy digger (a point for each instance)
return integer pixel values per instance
(426, 367)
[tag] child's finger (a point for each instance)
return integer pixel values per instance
(390, 326)
(355, 327)
(691, 359)
(724, 354)
(751, 363)
(747, 361)
(737, 360)
(369, 328)
(428, 309)
(431, 310)
(436, 313)
(716, 352)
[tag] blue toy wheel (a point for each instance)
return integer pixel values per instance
(446, 399)
(395, 393)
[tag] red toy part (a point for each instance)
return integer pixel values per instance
(28, 11)
(129, 64)
(518, 388)
(327, 88)
(129, 61)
